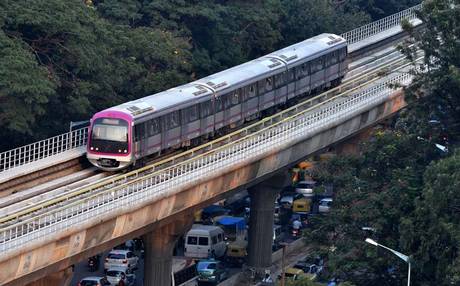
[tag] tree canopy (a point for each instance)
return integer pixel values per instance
(62, 61)
(403, 190)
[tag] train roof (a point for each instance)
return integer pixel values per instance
(231, 79)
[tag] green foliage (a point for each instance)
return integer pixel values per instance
(64, 60)
(303, 19)
(432, 233)
(69, 63)
(376, 190)
(435, 88)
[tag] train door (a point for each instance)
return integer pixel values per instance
(172, 129)
(140, 142)
(332, 66)
(303, 78)
(153, 141)
(266, 93)
(190, 122)
(232, 105)
(218, 112)
(343, 61)
(250, 103)
(317, 72)
(291, 91)
(280, 88)
(207, 117)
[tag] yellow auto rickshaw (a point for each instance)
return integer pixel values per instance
(237, 252)
(302, 205)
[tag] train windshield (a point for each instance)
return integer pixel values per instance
(109, 135)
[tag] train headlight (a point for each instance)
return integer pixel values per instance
(97, 149)
(126, 151)
(119, 151)
(91, 148)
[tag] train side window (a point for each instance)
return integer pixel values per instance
(291, 75)
(298, 72)
(261, 86)
(153, 127)
(192, 113)
(305, 69)
(173, 119)
(139, 132)
(343, 54)
(218, 102)
(334, 57)
(235, 97)
(280, 79)
(227, 100)
(252, 90)
(206, 109)
(268, 84)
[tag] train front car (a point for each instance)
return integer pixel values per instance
(109, 140)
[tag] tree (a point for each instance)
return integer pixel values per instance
(435, 86)
(431, 234)
(63, 61)
(373, 195)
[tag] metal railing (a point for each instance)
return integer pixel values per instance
(42, 149)
(283, 132)
(371, 29)
(55, 145)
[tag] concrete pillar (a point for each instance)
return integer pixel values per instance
(159, 245)
(61, 278)
(260, 238)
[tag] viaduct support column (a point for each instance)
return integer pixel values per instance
(260, 237)
(61, 278)
(159, 246)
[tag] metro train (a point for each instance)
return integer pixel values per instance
(124, 134)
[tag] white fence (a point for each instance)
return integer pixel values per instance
(366, 31)
(42, 149)
(153, 186)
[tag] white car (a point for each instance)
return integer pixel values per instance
(325, 205)
(121, 258)
(94, 281)
(116, 273)
(305, 188)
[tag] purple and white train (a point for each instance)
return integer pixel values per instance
(121, 135)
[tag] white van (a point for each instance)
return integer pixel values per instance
(204, 241)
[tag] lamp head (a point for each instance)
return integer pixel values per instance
(370, 241)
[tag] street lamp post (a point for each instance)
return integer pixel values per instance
(399, 254)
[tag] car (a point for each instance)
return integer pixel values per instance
(305, 188)
(287, 200)
(211, 271)
(121, 258)
(128, 245)
(325, 205)
(115, 273)
(93, 281)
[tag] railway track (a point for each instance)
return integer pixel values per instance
(29, 208)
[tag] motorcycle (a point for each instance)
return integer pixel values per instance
(93, 263)
(295, 232)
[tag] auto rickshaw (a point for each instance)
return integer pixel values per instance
(237, 252)
(294, 274)
(302, 205)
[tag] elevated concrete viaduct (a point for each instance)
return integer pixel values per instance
(161, 221)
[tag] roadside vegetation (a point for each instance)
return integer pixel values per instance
(402, 191)
(62, 61)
